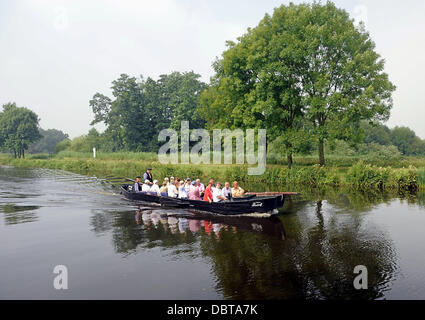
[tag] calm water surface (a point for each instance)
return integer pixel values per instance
(115, 249)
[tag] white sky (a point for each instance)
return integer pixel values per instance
(55, 54)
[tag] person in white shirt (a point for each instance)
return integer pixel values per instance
(155, 188)
(146, 187)
(172, 190)
(227, 191)
(200, 185)
(182, 191)
(218, 193)
(187, 185)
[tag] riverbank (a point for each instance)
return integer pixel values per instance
(360, 175)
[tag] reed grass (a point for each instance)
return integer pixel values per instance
(360, 175)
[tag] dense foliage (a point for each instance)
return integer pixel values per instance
(307, 70)
(49, 139)
(359, 175)
(142, 108)
(402, 138)
(18, 129)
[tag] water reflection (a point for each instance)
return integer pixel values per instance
(255, 258)
(308, 251)
(14, 214)
(154, 227)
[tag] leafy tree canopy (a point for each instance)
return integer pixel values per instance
(142, 108)
(305, 63)
(18, 129)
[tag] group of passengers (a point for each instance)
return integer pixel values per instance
(188, 189)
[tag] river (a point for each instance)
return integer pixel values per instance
(115, 249)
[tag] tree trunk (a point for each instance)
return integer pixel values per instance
(23, 154)
(321, 153)
(14, 153)
(290, 161)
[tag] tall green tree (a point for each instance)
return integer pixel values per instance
(338, 72)
(182, 92)
(141, 108)
(253, 88)
(305, 63)
(18, 129)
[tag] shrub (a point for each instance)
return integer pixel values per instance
(366, 175)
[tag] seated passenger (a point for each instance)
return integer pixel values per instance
(137, 187)
(146, 187)
(182, 191)
(237, 191)
(187, 185)
(227, 191)
(208, 193)
(218, 193)
(164, 189)
(172, 190)
(194, 192)
(155, 188)
(200, 185)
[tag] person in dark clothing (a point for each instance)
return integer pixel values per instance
(137, 186)
(148, 176)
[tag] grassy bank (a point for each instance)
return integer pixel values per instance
(359, 175)
(340, 161)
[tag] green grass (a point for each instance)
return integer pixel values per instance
(306, 173)
(342, 162)
(147, 156)
(348, 161)
(421, 177)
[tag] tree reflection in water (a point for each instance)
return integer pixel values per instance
(16, 214)
(256, 258)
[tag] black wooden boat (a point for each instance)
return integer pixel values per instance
(249, 204)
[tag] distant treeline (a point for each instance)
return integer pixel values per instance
(48, 141)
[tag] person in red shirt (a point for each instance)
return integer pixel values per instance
(208, 193)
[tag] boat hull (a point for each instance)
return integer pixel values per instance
(251, 204)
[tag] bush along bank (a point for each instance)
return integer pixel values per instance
(360, 176)
(363, 176)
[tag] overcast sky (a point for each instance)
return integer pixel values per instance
(55, 55)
